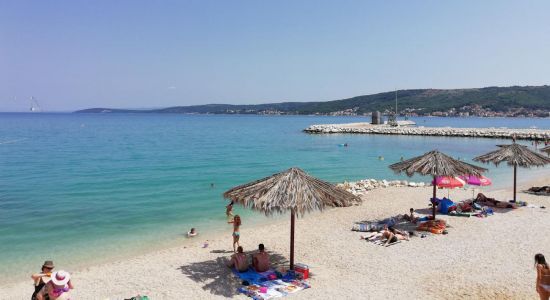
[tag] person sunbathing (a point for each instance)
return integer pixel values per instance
(401, 235)
(239, 261)
(260, 260)
(492, 201)
(389, 236)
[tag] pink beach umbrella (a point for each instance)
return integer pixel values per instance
(476, 180)
(448, 182)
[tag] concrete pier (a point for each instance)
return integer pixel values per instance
(497, 133)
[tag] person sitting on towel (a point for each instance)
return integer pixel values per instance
(260, 260)
(239, 261)
(411, 217)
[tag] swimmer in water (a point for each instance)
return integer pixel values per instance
(381, 157)
(192, 233)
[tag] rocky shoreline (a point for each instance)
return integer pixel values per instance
(365, 185)
(498, 133)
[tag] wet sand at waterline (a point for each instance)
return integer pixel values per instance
(480, 258)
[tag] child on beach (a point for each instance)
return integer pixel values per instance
(411, 217)
(229, 212)
(543, 277)
(236, 234)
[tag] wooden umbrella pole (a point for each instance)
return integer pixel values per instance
(292, 239)
(433, 199)
(515, 172)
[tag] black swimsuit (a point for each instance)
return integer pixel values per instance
(37, 289)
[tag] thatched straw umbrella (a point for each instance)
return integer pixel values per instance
(292, 190)
(436, 164)
(546, 149)
(515, 155)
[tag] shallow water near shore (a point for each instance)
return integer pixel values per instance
(89, 188)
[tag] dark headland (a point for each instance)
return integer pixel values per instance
(514, 101)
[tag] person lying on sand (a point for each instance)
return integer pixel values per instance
(390, 234)
(260, 260)
(238, 260)
(401, 235)
(492, 201)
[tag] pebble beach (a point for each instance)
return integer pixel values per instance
(480, 258)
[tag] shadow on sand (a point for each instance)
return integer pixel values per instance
(217, 278)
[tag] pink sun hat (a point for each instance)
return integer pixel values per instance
(60, 278)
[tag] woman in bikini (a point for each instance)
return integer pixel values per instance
(543, 277)
(236, 234)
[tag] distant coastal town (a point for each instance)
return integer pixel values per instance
(464, 111)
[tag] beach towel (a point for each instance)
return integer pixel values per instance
(459, 214)
(254, 277)
(274, 289)
(366, 226)
(383, 242)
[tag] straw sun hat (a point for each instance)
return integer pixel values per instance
(48, 264)
(60, 277)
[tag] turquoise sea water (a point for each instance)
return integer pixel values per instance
(77, 187)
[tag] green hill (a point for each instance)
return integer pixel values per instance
(499, 99)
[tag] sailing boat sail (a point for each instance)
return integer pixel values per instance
(34, 105)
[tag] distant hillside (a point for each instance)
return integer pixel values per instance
(499, 99)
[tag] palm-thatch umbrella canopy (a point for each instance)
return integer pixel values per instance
(436, 164)
(292, 190)
(546, 149)
(515, 155)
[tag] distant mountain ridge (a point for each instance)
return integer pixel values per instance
(421, 101)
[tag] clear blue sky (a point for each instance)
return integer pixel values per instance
(136, 54)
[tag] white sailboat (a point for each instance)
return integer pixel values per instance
(35, 107)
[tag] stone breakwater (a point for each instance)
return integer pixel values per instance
(365, 185)
(499, 133)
